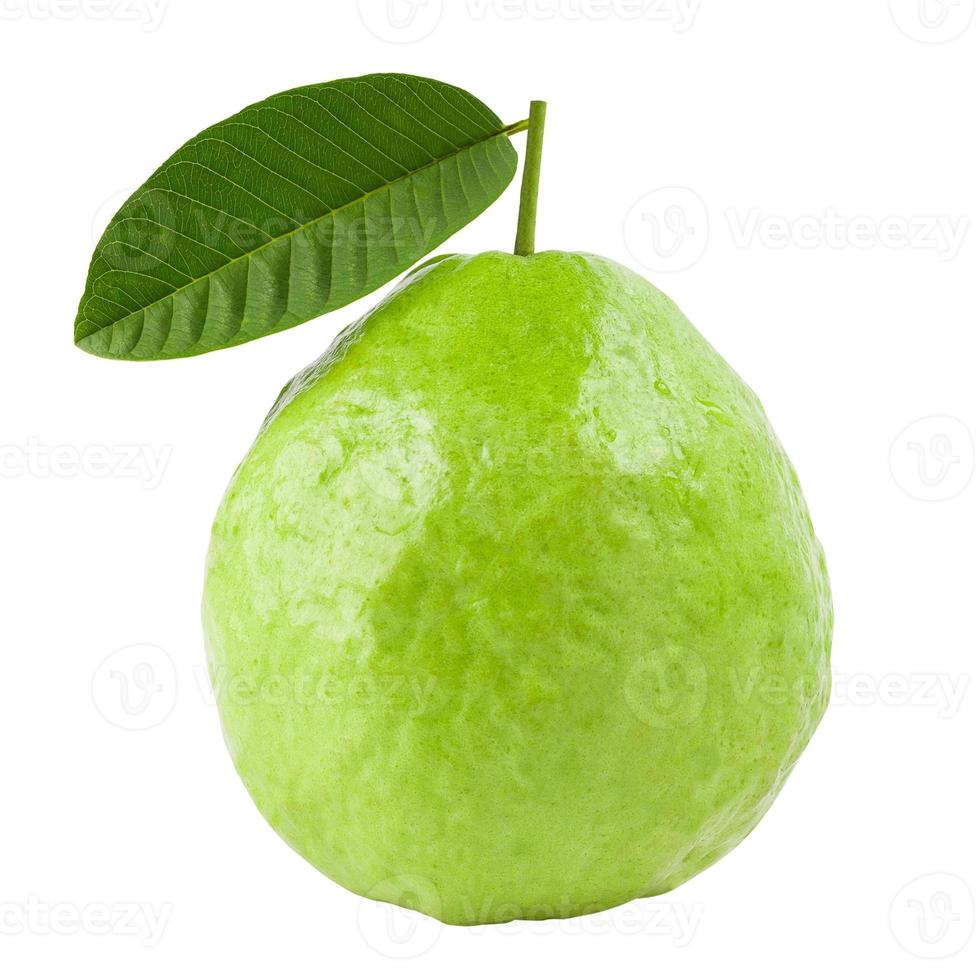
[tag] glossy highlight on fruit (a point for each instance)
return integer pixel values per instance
(514, 609)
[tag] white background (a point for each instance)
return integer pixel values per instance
(801, 178)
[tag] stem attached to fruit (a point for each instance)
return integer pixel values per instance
(529, 182)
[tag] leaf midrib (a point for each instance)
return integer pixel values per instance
(435, 162)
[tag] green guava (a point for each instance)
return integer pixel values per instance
(514, 609)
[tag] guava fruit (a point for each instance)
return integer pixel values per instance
(514, 609)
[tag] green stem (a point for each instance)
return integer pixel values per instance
(527, 217)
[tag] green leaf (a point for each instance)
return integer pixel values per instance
(295, 206)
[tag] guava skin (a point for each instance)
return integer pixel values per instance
(514, 609)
